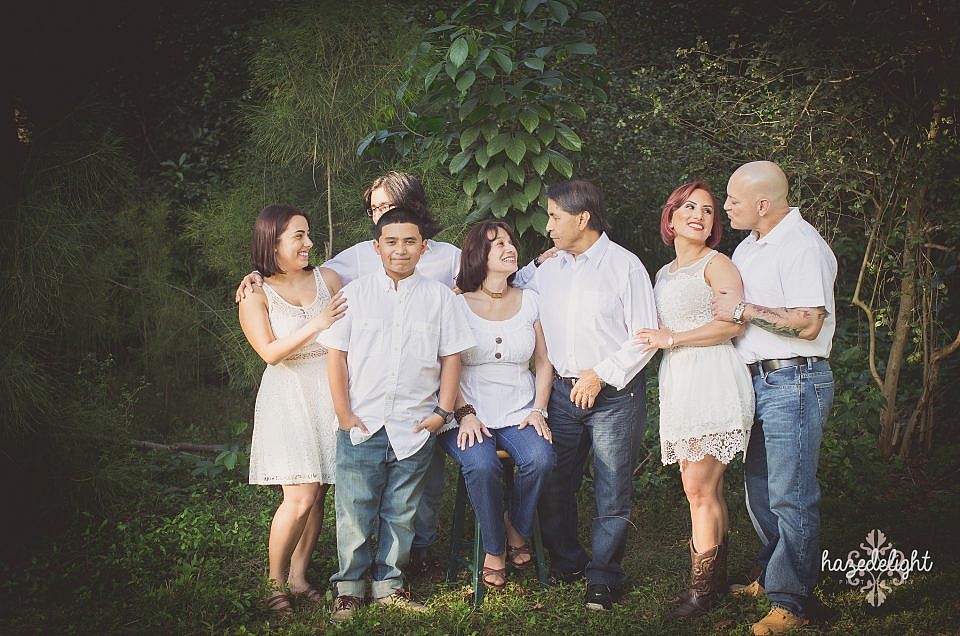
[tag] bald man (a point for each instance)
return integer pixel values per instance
(788, 274)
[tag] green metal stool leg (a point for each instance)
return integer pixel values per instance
(456, 534)
(478, 557)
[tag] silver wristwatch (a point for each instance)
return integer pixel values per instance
(542, 412)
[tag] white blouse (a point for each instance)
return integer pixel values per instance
(495, 374)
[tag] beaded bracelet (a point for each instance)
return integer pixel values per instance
(466, 409)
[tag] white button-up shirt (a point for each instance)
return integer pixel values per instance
(592, 304)
(440, 261)
(790, 266)
(394, 339)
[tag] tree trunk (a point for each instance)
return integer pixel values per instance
(889, 424)
(329, 242)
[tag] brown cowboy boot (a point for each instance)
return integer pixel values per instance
(703, 592)
(721, 585)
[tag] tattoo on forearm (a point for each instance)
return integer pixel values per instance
(773, 327)
(774, 321)
(777, 320)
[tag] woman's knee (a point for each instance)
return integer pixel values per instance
(478, 463)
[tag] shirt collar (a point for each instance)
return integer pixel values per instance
(386, 282)
(593, 254)
(781, 230)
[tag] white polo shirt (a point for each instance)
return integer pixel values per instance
(394, 339)
(591, 305)
(791, 266)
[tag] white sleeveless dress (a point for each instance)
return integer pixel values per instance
(294, 425)
(706, 395)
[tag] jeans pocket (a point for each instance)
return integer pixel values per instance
(824, 398)
(787, 377)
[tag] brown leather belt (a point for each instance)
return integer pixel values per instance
(769, 366)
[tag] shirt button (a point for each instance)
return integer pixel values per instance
(497, 355)
(499, 340)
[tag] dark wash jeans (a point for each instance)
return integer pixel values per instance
(780, 471)
(613, 428)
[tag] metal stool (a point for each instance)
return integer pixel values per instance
(458, 544)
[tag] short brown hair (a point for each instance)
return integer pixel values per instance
(270, 224)
(406, 191)
(578, 196)
(476, 249)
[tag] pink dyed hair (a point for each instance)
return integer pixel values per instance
(676, 199)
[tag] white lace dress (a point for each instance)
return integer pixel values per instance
(294, 425)
(706, 396)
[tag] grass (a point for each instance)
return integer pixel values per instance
(190, 559)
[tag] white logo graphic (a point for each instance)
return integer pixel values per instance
(877, 567)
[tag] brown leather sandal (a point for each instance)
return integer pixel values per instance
(313, 595)
(279, 604)
(512, 553)
(490, 585)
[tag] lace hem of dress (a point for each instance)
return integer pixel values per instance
(292, 480)
(721, 446)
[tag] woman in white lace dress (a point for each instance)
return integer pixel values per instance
(706, 396)
(294, 430)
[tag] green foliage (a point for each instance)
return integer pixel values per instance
(491, 94)
(322, 72)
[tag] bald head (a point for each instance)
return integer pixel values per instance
(757, 196)
(765, 180)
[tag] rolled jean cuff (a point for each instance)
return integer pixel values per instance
(791, 607)
(383, 589)
(351, 588)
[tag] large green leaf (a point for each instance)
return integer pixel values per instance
(503, 60)
(481, 157)
(540, 221)
(516, 149)
(458, 51)
(531, 189)
(460, 161)
(592, 16)
(560, 163)
(529, 119)
(467, 107)
(540, 163)
(498, 143)
(569, 139)
(496, 177)
(465, 81)
(535, 63)
(468, 136)
(581, 48)
(559, 11)
(547, 132)
(523, 223)
(515, 172)
(470, 183)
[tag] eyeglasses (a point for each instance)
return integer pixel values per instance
(379, 209)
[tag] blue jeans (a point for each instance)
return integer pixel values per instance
(614, 429)
(425, 522)
(376, 495)
(780, 473)
(481, 468)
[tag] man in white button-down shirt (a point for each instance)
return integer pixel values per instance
(595, 295)
(398, 345)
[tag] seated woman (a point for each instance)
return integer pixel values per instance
(294, 426)
(500, 399)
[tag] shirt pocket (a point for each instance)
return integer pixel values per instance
(423, 342)
(369, 338)
(601, 304)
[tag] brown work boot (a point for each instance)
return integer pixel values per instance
(703, 593)
(779, 621)
(753, 589)
(401, 599)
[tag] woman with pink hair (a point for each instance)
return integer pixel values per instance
(706, 396)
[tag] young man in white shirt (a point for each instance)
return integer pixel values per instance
(595, 294)
(788, 273)
(394, 371)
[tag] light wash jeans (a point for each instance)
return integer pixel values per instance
(482, 474)
(434, 484)
(376, 496)
(780, 473)
(613, 428)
